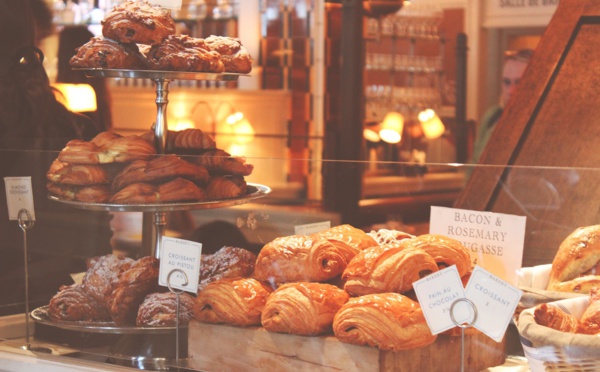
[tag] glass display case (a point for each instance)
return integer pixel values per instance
(65, 237)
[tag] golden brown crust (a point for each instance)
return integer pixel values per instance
(590, 319)
(235, 301)
(158, 170)
(225, 187)
(80, 174)
(101, 52)
(102, 273)
(106, 148)
(388, 268)
(138, 22)
(220, 162)
(299, 258)
(184, 53)
(85, 194)
(444, 250)
(235, 57)
(160, 310)
(176, 190)
(576, 266)
(555, 318)
(131, 288)
(388, 321)
(347, 238)
(303, 308)
(184, 142)
(227, 262)
(73, 304)
(389, 236)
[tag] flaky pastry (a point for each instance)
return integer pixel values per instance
(444, 250)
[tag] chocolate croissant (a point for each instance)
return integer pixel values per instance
(234, 301)
(388, 321)
(303, 308)
(300, 258)
(555, 318)
(347, 238)
(576, 266)
(160, 310)
(387, 268)
(444, 250)
(72, 303)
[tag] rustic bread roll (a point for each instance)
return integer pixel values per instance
(387, 268)
(444, 250)
(388, 321)
(101, 52)
(138, 22)
(299, 258)
(73, 304)
(576, 266)
(234, 301)
(303, 308)
(160, 310)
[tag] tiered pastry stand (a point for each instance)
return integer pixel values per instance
(145, 347)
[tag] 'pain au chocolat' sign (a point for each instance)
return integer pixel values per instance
(519, 13)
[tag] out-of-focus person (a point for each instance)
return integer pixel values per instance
(69, 39)
(34, 126)
(515, 63)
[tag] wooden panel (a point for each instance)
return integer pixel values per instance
(551, 123)
(226, 348)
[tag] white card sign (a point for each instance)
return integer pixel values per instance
(169, 4)
(19, 195)
(312, 228)
(495, 301)
(177, 257)
(494, 240)
(436, 293)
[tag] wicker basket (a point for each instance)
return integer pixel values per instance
(549, 350)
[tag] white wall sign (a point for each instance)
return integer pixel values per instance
(523, 13)
(494, 240)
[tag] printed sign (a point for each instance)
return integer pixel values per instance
(503, 13)
(19, 195)
(494, 240)
(495, 301)
(436, 293)
(312, 228)
(180, 264)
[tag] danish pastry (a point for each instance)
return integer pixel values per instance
(184, 53)
(138, 22)
(226, 187)
(102, 274)
(176, 190)
(101, 52)
(388, 236)
(220, 162)
(235, 57)
(305, 309)
(234, 301)
(444, 250)
(85, 194)
(106, 148)
(347, 238)
(73, 304)
(576, 266)
(80, 174)
(227, 262)
(388, 321)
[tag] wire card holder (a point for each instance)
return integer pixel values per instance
(178, 293)
(463, 326)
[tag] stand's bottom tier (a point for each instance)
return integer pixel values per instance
(227, 348)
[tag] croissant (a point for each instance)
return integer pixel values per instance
(555, 318)
(105, 148)
(131, 288)
(305, 309)
(158, 170)
(177, 190)
(347, 239)
(221, 187)
(387, 236)
(219, 162)
(79, 174)
(299, 258)
(590, 319)
(160, 310)
(187, 141)
(388, 321)
(102, 273)
(72, 303)
(227, 262)
(233, 54)
(576, 266)
(387, 268)
(85, 194)
(444, 250)
(235, 301)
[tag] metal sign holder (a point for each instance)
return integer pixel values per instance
(178, 294)
(462, 327)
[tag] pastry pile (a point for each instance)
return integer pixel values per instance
(576, 266)
(555, 318)
(341, 281)
(127, 170)
(139, 36)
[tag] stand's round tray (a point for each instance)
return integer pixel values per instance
(255, 191)
(40, 315)
(153, 74)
